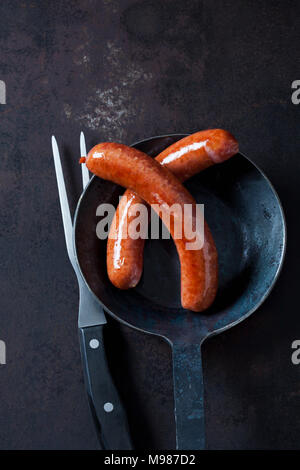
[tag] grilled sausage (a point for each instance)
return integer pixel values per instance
(184, 159)
(156, 185)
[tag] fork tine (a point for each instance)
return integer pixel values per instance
(63, 199)
(84, 170)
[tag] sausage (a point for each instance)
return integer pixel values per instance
(156, 185)
(184, 159)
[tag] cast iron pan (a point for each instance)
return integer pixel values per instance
(247, 222)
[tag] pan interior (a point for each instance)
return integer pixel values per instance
(246, 220)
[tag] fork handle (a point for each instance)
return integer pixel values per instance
(103, 397)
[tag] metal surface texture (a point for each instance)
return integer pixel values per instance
(122, 71)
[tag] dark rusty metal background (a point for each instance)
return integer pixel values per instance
(124, 71)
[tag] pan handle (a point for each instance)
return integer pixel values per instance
(188, 396)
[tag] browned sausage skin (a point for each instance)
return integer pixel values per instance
(184, 159)
(156, 185)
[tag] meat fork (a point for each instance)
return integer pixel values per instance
(105, 404)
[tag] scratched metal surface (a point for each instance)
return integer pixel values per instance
(124, 71)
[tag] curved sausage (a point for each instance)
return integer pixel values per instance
(157, 186)
(184, 159)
